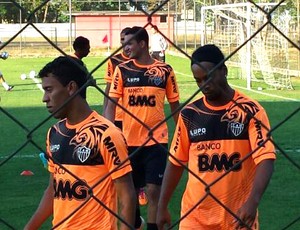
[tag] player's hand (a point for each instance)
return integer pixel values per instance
(247, 214)
(163, 218)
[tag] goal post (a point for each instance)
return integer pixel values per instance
(265, 57)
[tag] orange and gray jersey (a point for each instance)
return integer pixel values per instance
(86, 157)
(143, 89)
(212, 141)
(111, 65)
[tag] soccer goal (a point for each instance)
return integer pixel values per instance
(265, 57)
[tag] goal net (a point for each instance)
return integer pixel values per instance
(265, 57)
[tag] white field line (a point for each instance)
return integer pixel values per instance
(254, 91)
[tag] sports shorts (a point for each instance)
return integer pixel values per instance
(148, 164)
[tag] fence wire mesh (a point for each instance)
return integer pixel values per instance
(14, 122)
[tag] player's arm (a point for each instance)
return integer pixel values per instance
(105, 100)
(247, 212)
(171, 179)
(127, 200)
(110, 110)
(174, 106)
(115, 92)
(45, 208)
(108, 78)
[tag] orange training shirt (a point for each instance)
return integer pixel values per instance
(82, 156)
(111, 65)
(143, 89)
(211, 140)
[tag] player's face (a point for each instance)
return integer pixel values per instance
(211, 88)
(55, 94)
(122, 39)
(132, 47)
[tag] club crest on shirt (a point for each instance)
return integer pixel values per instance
(156, 80)
(83, 153)
(54, 148)
(236, 128)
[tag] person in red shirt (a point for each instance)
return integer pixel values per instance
(144, 83)
(223, 139)
(90, 173)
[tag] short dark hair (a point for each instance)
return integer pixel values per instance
(66, 69)
(124, 31)
(208, 53)
(80, 43)
(140, 34)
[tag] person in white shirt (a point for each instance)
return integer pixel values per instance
(158, 45)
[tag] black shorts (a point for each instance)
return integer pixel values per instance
(148, 164)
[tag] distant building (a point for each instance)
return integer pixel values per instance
(103, 28)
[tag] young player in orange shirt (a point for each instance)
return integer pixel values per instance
(111, 65)
(223, 139)
(90, 173)
(143, 83)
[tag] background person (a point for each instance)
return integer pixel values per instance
(220, 132)
(143, 83)
(158, 45)
(7, 87)
(81, 46)
(111, 65)
(85, 152)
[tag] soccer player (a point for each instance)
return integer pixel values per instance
(158, 45)
(7, 87)
(223, 139)
(143, 83)
(111, 65)
(87, 158)
(81, 46)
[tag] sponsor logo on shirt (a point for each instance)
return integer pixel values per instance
(208, 146)
(135, 90)
(116, 83)
(174, 84)
(142, 100)
(112, 150)
(66, 190)
(219, 162)
(198, 132)
(259, 134)
(133, 79)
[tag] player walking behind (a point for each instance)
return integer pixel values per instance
(111, 65)
(87, 158)
(81, 46)
(143, 83)
(223, 139)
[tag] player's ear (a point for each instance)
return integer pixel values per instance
(142, 43)
(72, 87)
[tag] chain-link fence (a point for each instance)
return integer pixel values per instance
(23, 127)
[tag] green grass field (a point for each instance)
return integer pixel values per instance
(24, 123)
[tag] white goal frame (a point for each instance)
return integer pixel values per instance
(254, 55)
